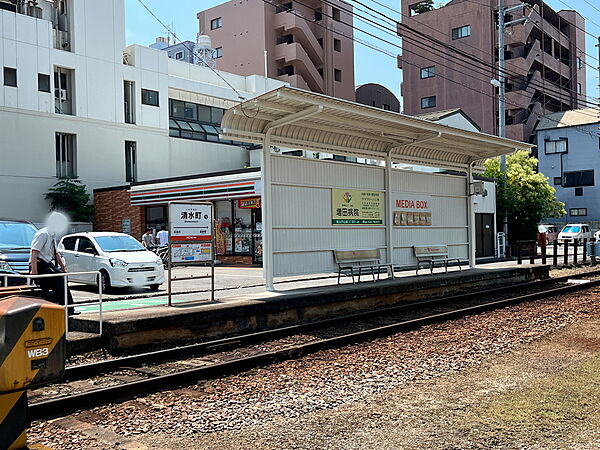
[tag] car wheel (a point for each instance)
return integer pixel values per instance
(154, 287)
(105, 280)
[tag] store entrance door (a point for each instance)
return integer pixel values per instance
(257, 253)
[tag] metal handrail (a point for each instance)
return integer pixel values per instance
(65, 276)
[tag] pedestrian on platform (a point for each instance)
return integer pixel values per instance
(44, 260)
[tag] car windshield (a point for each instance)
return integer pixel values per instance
(571, 229)
(16, 235)
(119, 244)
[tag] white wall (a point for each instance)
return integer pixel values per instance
(303, 234)
(28, 123)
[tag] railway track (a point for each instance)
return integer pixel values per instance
(230, 355)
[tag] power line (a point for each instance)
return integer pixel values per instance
(369, 45)
(169, 31)
(490, 68)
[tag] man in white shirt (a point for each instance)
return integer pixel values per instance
(163, 237)
(45, 259)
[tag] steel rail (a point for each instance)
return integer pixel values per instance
(62, 405)
(203, 348)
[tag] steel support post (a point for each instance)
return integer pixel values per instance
(471, 216)
(389, 210)
(267, 213)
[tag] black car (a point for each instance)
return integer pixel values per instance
(15, 244)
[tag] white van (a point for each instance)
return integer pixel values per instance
(575, 232)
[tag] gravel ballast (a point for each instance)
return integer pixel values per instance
(272, 406)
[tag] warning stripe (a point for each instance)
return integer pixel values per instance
(17, 327)
(13, 420)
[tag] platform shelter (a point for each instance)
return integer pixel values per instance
(312, 206)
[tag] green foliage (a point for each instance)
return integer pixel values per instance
(523, 194)
(424, 6)
(68, 195)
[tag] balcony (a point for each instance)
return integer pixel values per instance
(300, 29)
(294, 54)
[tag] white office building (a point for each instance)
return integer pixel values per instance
(75, 101)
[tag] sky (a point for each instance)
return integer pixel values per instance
(371, 66)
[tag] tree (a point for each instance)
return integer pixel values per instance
(68, 195)
(523, 194)
(424, 6)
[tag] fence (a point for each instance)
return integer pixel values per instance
(65, 276)
(567, 252)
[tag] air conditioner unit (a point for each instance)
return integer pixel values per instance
(61, 94)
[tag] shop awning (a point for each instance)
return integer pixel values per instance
(214, 187)
(299, 119)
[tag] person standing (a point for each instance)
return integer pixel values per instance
(44, 259)
(148, 240)
(163, 237)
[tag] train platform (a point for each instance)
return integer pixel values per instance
(140, 322)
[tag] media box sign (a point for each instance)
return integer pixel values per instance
(190, 222)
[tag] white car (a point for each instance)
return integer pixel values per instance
(575, 232)
(122, 261)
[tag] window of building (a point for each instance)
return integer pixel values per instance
(286, 70)
(179, 55)
(337, 45)
(386, 107)
(579, 88)
(63, 91)
(285, 39)
(149, 97)
(129, 101)
(556, 146)
(336, 14)
(285, 7)
(579, 63)
(216, 23)
(579, 178)
(43, 82)
(578, 192)
(557, 181)
(461, 32)
(578, 212)
(428, 102)
(319, 14)
(337, 75)
(66, 157)
(130, 161)
(10, 76)
(198, 122)
(428, 72)
(219, 52)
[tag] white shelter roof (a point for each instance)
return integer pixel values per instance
(295, 118)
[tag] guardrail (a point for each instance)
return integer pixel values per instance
(65, 276)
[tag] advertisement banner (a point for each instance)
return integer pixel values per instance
(412, 210)
(190, 222)
(354, 207)
(249, 203)
(192, 252)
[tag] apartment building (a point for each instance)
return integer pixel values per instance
(569, 156)
(545, 61)
(74, 101)
(308, 43)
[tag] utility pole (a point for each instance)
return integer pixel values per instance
(598, 47)
(502, 24)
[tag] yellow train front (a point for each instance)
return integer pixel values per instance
(32, 353)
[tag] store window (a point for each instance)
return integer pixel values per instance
(239, 228)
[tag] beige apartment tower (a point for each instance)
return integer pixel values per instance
(309, 43)
(545, 61)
